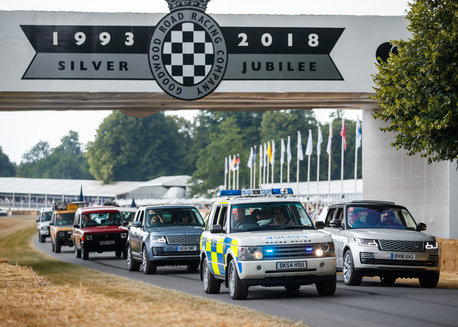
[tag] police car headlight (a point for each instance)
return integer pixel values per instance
(325, 249)
(367, 242)
(431, 245)
(160, 239)
(250, 253)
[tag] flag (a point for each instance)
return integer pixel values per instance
(328, 148)
(269, 153)
(232, 164)
(225, 165)
(318, 143)
(81, 198)
(261, 158)
(250, 159)
(265, 155)
(344, 134)
(309, 149)
(288, 150)
(282, 152)
(273, 152)
(237, 162)
(358, 133)
(253, 160)
(300, 154)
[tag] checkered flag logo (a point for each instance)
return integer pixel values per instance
(188, 53)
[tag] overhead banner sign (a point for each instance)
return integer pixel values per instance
(187, 53)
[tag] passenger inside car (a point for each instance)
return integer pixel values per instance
(389, 219)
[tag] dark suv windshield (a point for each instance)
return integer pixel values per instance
(269, 216)
(371, 216)
(172, 217)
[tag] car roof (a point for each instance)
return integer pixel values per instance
(169, 207)
(98, 209)
(366, 202)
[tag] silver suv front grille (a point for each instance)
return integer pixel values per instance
(401, 246)
(183, 239)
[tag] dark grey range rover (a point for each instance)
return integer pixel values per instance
(164, 235)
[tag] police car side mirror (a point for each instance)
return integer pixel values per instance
(216, 229)
(421, 227)
(319, 224)
(336, 223)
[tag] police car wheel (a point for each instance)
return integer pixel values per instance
(350, 275)
(211, 284)
(148, 267)
(237, 290)
(328, 287)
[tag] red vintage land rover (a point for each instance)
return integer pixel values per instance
(99, 229)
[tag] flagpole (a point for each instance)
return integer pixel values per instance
(273, 160)
(260, 165)
(342, 162)
(225, 172)
(238, 170)
(356, 166)
(288, 165)
(318, 177)
(268, 164)
(357, 145)
(229, 172)
(329, 151)
(254, 166)
(234, 172)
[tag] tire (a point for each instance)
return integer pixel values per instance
(118, 254)
(429, 279)
(237, 290)
(326, 288)
(77, 252)
(132, 265)
(53, 248)
(84, 253)
(41, 238)
(388, 280)
(350, 275)
(148, 267)
(58, 246)
(124, 253)
(211, 284)
(193, 267)
(292, 286)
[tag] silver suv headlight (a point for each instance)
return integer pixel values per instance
(431, 245)
(159, 239)
(367, 242)
(250, 253)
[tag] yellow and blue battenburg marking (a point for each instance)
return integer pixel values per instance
(216, 253)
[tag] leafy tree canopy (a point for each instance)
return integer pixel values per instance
(7, 168)
(417, 89)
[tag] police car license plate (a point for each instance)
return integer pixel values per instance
(107, 242)
(402, 256)
(187, 248)
(292, 265)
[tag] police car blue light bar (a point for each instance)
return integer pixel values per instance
(230, 192)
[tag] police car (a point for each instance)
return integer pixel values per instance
(264, 237)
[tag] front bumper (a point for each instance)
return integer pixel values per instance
(265, 272)
(96, 246)
(182, 254)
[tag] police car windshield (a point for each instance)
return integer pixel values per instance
(173, 217)
(96, 219)
(370, 216)
(269, 216)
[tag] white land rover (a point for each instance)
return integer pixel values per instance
(262, 237)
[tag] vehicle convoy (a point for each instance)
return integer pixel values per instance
(61, 225)
(263, 237)
(43, 224)
(164, 236)
(377, 238)
(99, 229)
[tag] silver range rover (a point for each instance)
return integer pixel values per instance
(376, 238)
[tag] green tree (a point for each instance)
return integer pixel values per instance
(7, 168)
(39, 151)
(128, 148)
(210, 164)
(416, 88)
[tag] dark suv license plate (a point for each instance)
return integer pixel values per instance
(291, 265)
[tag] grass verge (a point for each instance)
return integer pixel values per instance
(52, 293)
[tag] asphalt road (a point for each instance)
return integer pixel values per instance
(370, 304)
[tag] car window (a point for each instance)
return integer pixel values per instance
(329, 216)
(158, 217)
(95, 219)
(269, 216)
(223, 217)
(64, 219)
(46, 216)
(379, 216)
